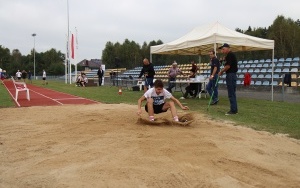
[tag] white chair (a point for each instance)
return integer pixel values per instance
(140, 84)
(21, 86)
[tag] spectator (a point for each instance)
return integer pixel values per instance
(148, 72)
(112, 75)
(44, 77)
(172, 74)
(100, 74)
(230, 68)
(192, 88)
(212, 86)
(24, 75)
(195, 68)
(18, 75)
(29, 74)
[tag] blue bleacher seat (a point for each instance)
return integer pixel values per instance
(239, 71)
(287, 64)
(260, 76)
(255, 61)
(263, 70)
(253, 65)
(244, 70)
(257, 70)
(238, 82)
(275, 83)
(269, 70)
(261, 61)
(288, 59)
(268, 61)
(285, 70)
(250, 70)
(241, 66)
(294, 70)
(296, 59)
(240, 62)
(258, 83)
(268, 76)
(250, 61)
(277, 70)
(259, 65)
(252, 82)
(295, 64)
(266, 65)
(279, 65)
(281, 60)
(240, 76)
(276, 76)
(275, 60)
(247, 65)
(254, 76)
(245, 62)
(266, 83)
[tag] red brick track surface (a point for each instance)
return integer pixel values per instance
(40, 96)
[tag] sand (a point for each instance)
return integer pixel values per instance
(106, 145)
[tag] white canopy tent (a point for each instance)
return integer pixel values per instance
(204, 38)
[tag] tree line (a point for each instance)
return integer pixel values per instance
(284, 31)
(51, 60)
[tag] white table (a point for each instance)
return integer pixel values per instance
(199, 81)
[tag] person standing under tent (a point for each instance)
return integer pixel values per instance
(172, 74)
(148, 72)
(230, 67)
(156, 101)
(212, 86)
(100, 74)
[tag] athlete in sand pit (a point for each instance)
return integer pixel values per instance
(156, 101)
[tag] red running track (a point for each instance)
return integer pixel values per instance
(40, 96)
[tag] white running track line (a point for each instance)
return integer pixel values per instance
(71, 95)
(47, 97)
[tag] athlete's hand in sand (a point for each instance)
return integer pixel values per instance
(139, 112)
(185, 108)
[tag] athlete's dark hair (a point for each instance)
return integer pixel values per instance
(158, 84)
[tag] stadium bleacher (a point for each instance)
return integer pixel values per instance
(260, 70)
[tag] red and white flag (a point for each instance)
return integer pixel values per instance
(72, 47)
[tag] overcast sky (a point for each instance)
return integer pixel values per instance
(100, 21)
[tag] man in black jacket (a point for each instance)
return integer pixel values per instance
(100, 74)
(148, 72)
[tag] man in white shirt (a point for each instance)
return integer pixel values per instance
(156, 101)
(19, 75)
(44, 78)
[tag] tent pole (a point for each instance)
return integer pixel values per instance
(272, 98)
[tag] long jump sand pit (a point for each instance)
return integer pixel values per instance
(104, 145)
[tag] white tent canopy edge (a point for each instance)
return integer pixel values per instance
(202, 39)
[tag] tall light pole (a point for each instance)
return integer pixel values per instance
(34, 55)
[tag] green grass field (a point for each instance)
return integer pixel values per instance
(274, 117)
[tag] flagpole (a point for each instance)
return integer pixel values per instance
(76, 50)
(68, 38)
(66, 61)
(70, 68)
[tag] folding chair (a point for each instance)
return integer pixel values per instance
(20, 86)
